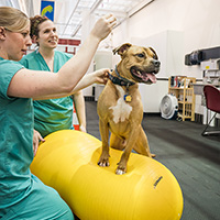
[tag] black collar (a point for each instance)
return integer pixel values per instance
(120, 80)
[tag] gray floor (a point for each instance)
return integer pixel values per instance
(192, 158)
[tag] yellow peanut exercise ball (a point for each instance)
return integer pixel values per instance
(67, 161)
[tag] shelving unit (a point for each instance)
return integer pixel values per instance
(182, 88)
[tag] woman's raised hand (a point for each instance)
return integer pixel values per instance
(103, 26)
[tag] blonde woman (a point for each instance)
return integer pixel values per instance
(22, 195)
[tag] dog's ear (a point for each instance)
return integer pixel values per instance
(156, 57)
(121, 49)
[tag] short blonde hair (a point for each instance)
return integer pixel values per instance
(13, 19)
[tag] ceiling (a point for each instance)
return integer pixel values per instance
(68, 14)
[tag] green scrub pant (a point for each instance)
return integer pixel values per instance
(42, 203)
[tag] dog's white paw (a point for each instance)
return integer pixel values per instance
(120, 172)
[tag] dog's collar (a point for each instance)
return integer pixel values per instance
(120, 80)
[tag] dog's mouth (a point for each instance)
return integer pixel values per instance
(143, 76)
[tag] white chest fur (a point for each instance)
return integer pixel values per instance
(121, 110)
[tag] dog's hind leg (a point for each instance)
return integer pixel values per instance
(142, 145)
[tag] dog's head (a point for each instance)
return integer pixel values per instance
(139, 64)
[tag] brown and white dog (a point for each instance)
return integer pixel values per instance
(120, 108)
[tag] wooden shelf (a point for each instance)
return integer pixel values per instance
(184, 102)
(178, 88)
(184, 92)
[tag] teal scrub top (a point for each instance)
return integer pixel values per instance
(52, 114)
(16, 138)
(22, 195)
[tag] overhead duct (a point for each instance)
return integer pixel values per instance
(196, 57)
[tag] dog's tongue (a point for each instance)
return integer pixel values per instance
(149, 76)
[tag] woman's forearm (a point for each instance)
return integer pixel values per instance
(79, 103)
(78, 65)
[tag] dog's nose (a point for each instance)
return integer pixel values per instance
(156, 63)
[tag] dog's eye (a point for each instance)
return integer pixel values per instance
(141, 55)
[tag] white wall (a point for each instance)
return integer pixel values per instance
(197, 22)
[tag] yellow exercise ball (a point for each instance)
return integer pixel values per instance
(67, 161)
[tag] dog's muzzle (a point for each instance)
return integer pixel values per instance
(147, 74)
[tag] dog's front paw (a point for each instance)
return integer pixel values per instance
(120, 170)
(103, 162)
